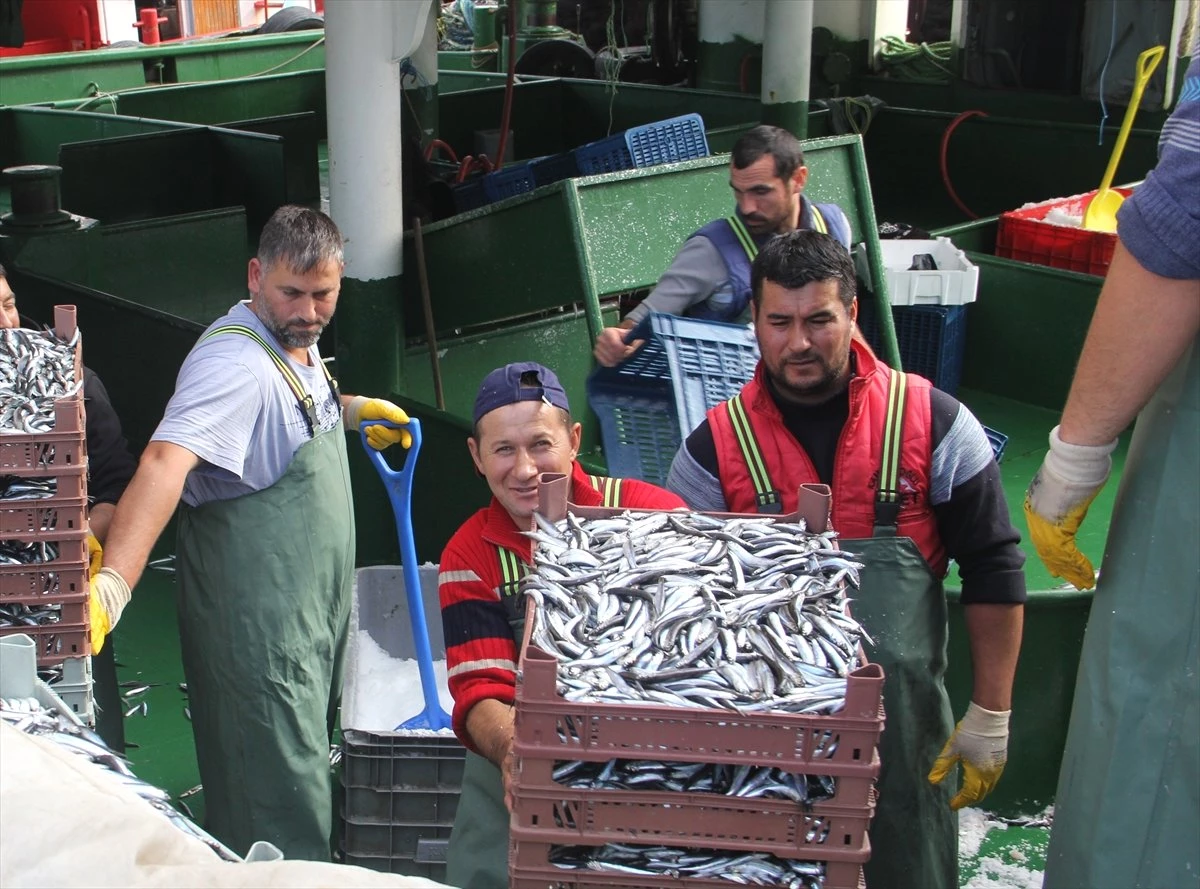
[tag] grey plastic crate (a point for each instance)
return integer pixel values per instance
(372, 839)
(400, 789)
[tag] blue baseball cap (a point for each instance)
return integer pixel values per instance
(520, 381)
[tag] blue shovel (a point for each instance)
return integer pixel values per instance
(399, 490)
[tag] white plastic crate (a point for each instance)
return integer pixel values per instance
(952, 283)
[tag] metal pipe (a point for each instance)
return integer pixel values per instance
(365, 41)
(787, 63)
(427, 311)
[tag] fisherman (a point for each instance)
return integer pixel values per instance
(252, 442)
(710, 275)
(110, 466)
(522, 428)
(914, 485)
(1127, 811)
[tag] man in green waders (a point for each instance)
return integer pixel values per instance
(1127, 811)
(914, 485)
(252, 443)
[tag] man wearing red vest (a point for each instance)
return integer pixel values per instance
(914, 485)
(523, 428)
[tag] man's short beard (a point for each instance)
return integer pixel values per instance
(287, 337)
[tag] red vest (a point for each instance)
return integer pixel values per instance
(856, 470)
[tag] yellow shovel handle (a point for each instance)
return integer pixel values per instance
(1146, 63)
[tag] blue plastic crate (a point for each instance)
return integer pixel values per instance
(603, 156)
(469, 195)
(553, 167)
(997, 440)
(648, 404)
(512, 179)
(932, 340)
(667, 141)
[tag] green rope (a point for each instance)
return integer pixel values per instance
(924, 62)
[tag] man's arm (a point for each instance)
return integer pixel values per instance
(695, 475)
(696, 271)
(146, 507)
(110, 464)
(1142, 325)
(994, 633)
(491, 726)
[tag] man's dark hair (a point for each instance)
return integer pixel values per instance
(801, 257)
(3, 273)
(764, 140)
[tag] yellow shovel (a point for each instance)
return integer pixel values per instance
(1101, 212)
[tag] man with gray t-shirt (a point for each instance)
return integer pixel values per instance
(252, 444)
(710, 275)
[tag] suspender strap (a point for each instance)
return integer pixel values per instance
(887, 501)
(307, 404)
(818, 220)
(743, 236)
(765, 495)
(512, 569)
(609, 488)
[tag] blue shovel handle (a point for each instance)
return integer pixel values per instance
(398, 484)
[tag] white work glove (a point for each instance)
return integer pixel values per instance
(980, 743)
(109, 595)
(1057, 501)
(361, 408)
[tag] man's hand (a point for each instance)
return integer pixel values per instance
(611, 348)
(508, 772)
(360, 408)
(1057, 501)
(980, 743)
(108, 595)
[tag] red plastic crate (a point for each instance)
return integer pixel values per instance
(1024, 235)
(529, 867)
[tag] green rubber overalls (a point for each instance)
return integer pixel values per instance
(914, 834)
(264, 604)
(477, 855)
(1127, 812)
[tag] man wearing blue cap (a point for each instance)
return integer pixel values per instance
(523, 427)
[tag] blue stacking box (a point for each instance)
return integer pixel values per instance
(648, 404)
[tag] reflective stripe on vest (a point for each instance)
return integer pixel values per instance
(609, 488)
(307, 403)
(512, 569)
(819, 221)
(887, 500)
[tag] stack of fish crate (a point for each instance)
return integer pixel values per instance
(43, 500)
(621, 792)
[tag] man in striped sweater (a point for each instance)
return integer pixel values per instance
(523, 428)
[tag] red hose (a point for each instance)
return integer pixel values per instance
(506, 115)
(945, 169)
(438, 143)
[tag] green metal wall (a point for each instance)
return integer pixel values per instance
(995, 164)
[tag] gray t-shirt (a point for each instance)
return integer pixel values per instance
(697, 273)
(233, 409)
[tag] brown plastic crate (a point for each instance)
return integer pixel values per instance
(56, 642)
(529, 867)
(44, 584)
(66, 445)
(54, 518)
(72, 550)
(781, 827)
(551, 727)
(48, 453)
(535, 775)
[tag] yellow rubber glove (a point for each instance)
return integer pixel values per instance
(361, 408)
(980, 743)
(108, 595)
(1057, 502)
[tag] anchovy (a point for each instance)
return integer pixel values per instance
(27, 715)
(746, 614)
(36, 369)
(754, 869)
